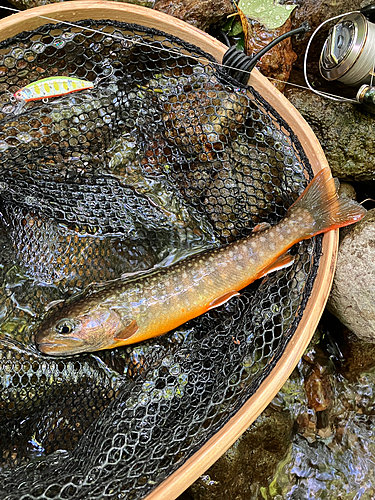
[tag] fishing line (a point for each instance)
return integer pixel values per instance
(116, 37)
(200, 59)
(305, 88)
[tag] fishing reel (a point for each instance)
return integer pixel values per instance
(348, 56)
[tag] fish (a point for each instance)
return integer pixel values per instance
(54, 86)
(128, 311)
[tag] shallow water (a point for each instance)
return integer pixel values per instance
(332, 452)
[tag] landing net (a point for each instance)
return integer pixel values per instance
(164, 157)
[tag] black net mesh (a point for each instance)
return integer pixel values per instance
(164, 157)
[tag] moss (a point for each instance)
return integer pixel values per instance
(345, 133)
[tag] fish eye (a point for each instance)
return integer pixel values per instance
(64, 327)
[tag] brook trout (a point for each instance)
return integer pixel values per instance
(131, 310)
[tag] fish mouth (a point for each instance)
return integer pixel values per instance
(54, 348)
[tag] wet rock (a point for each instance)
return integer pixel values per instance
(199, 13)
(247, 466)
(346, 190)
(352, 356)
(298, 396)
(318, 389)
(332, 451)
(26, 4)
(353, 290)
(345, 133)
(277, 63)
(307, 395)
(316, 371)
(359, 355)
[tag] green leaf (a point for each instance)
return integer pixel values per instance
(269, 13)
(236, 28)
(241, 43)
(228, 24)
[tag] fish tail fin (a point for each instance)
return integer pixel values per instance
(327, 210)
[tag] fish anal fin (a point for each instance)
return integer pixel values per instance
(127, 332)
(262, 226)
(219, 301)
(284, 260)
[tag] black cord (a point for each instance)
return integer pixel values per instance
(297, 31)
(225, 37)
(369, 12)
(241, 64)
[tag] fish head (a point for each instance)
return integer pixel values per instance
(68, 332)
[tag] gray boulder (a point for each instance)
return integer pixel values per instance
(353, 291)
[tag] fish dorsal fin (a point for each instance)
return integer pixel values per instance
(128, 331)
(219, 301)
(262, 226)
(284, 260)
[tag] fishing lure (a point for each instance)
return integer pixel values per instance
(54, 86)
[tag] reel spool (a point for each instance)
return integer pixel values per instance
(348, 56)
(348, 52)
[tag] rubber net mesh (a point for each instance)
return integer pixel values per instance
(163, 157)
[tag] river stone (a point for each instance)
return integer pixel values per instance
(248, 465)
(277, 63)
(199, 13)
(346, 190)
(353, 290)
(359, 356)
(345, 133)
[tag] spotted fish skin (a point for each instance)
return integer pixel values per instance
(51, 87)
(129, 311)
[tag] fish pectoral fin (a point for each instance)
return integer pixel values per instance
(127, 331)
(284, 260)
(222, 299)
(262, 226)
